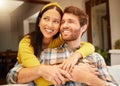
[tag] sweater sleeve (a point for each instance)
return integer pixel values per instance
(86, 49)
(26, 53)
(56, 42)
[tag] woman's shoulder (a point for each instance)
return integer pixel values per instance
(25, 39)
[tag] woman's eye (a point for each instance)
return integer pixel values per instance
(46, 19)
(56, 21)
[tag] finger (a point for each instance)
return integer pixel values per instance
(68, 67)
(58, 81)
(53, 81)
(61, 78)
(93, 66)
(64, 66)
(66, 74)
(72, 66)
(60, 66)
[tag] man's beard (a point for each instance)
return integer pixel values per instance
(71, 38)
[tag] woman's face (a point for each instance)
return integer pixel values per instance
(50, 23)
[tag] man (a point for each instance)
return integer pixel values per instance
(74, 24)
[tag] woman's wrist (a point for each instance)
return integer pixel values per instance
(78, 54)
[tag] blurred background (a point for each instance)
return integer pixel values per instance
(18, 17)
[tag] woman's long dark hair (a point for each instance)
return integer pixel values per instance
(36, 37)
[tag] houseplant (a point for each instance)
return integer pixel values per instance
(104, 53)
(117, 44)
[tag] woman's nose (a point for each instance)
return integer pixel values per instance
(50, 23)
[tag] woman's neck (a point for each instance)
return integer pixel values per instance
(46, 42)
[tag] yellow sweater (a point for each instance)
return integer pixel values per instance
(27, 58)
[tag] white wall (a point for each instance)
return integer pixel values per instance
(114, 6)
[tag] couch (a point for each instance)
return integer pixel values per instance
(115, 72)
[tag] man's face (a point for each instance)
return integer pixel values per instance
(70, 27)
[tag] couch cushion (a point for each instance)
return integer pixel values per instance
(115, 72)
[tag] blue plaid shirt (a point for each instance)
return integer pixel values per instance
(58, 55)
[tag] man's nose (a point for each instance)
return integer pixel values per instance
(65, 24)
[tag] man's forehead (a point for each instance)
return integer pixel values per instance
(69, 16)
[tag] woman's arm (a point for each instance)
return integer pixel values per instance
(85, 50)
(26, 75)
(53, 74)
(26, 55)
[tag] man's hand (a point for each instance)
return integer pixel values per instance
(82, 72)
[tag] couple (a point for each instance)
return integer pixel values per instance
(73, 25)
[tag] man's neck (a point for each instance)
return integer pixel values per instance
(74, 44)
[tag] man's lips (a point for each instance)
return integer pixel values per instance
(66, 32)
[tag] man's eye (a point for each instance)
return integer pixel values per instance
(71, 21)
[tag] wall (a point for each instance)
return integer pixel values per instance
(17, 18)
(114, 6)
(5, 32)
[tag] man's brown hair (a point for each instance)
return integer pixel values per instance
(83, 17)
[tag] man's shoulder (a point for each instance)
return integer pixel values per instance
(95, 55)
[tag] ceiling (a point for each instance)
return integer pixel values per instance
(7, 6)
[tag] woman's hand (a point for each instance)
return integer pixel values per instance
(54, 74)
(70, 62)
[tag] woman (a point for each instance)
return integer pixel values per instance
(46, 35)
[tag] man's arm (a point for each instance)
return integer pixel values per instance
(18, 74)
(82, 73)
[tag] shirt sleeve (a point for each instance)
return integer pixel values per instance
(103, 70)
(26, 55)
(13, 74)
(86, 49)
